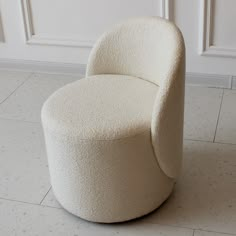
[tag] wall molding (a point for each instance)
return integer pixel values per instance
(206, 47)
(192, 78)
(165, 6)
(34, 39)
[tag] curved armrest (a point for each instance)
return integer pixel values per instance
(167, 121)
(151, 49)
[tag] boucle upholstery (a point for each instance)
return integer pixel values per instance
(105, 106)
(151, 49)
(114, 138)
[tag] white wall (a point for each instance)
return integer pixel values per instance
(210, 31)
(63, 31)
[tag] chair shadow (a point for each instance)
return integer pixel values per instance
(205, 193)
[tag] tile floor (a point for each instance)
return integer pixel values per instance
(204, 200)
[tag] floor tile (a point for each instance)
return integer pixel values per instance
(25, 104)
(205, 194)
(226, 130)
(136, 228)
(204, 197)
(24, 219)
(9, 81)
(23, 165)
(204, 233)
(201, 112)
(50, 200)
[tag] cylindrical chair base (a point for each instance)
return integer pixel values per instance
(106, 180)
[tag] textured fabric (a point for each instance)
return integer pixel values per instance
(142, 47)
(102, 107)
(114, 139)
(153, 49)
(106, 180)
(167, 121)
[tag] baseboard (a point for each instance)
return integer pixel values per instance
(210, 80)
(234, 82)
(197, 79)
(42, 66)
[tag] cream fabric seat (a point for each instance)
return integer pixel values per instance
(114, 138)
(102, 107)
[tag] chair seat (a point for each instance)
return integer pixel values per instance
(101, 107)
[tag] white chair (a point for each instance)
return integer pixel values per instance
(114, 139)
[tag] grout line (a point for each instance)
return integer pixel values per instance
(45, 196)
(197, 140)
(209, 231)
(189, 228)
(173, 226)
(27, 78)
(204, 141)
(14, 200)
(218, 118)
(232, 144)
(28, 203)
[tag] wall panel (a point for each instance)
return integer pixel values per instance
(217, 28)
(78, 22)
(64, 31)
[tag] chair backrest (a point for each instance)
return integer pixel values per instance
(146, 47)
(152, 49)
